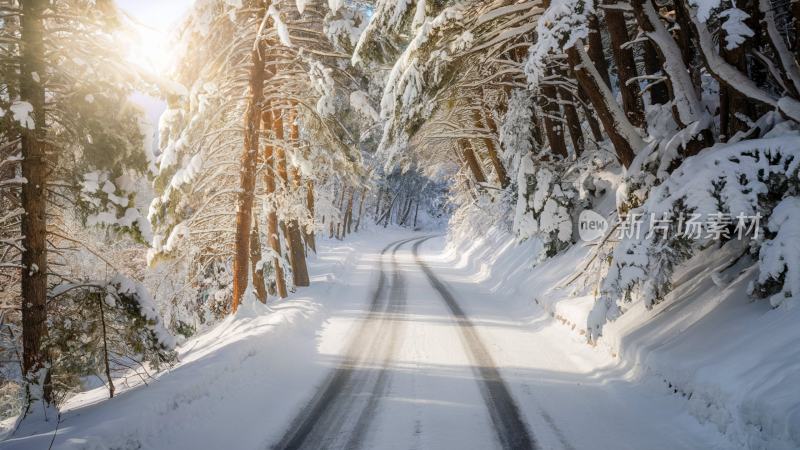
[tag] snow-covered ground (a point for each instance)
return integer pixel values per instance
(730, 361)
(242, 384)
(235, 385)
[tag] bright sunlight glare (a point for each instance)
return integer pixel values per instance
(149, 49)
(153, 21)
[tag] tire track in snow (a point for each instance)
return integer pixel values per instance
(339, 414)
(512, 432)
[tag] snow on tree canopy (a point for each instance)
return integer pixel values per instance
(133, 289)
(779, 257)
(563, 24)
(22, 114)
(704, 8)
(728, 181)
(402, 102)
(736, 30)
(280, 26)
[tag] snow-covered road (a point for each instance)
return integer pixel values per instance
(400, 343)
(433, 361)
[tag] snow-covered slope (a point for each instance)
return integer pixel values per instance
(734, 361)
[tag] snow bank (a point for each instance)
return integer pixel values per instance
(214, 382)
(734, 360)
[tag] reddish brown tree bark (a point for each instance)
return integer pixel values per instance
(590, 84)
(571, 113)
(625, 63)
(256, 273)
(552, 126)
(34, 198)
(596, 53)
(310, 237)
(247, 176)
(294, 242)
(491, 148)
(472, 161)
(273, 235)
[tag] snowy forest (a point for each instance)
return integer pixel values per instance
(341, 224)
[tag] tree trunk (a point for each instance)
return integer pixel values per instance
(247, 177)
(348, 217)
(796, 15)
(596, 53)
(733, 105)
(472, 161)
(625, 63)
(659, 94)
(310, 238)
(34, 199)
(687, 108)
(294, 242)
(342, 215)
(683, 35)
(297, 181)
(361, 207)
(378, 204)
(617, 128)
(273, 235)
(500, 170)
(552, 126)
(589, 114)
(256, 273)
(571, 114)
(416, 212)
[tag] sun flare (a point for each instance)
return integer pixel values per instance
(149, 49)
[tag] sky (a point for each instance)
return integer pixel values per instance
(157, 18)
(158, 14)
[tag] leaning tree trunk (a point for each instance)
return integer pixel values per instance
(273, 235)
(34, 199)
(686, 42)
(621, 132)
(589, 114)
(626, 64)
(731, 77)
(687, 108)
(491, 148)
(472, 161)
(247, 177)
(596, 53)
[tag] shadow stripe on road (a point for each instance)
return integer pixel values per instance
(322, 419)
(511, 429)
